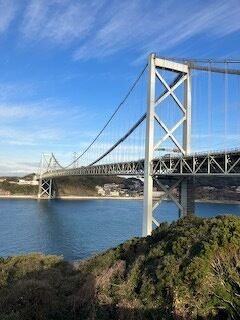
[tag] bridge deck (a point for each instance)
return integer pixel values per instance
(225, 164)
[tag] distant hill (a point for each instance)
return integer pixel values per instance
(6, 187)
(29, 176)
(83, 185)
(220, 189)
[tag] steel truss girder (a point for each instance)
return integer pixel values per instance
(225, 164)
(126, 168)
(222, 163)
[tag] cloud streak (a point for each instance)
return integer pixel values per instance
(152, 26)
(13, 136)
(99, 29)
(30, 110)
(15, 168)
(59, 21)
(8, 11)
(10, 90)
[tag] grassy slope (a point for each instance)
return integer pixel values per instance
(188, 270)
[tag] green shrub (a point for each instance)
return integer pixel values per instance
(186, 270)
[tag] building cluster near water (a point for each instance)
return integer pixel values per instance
(135, 189)
(120, 190)
(16, 182)
(22, 182)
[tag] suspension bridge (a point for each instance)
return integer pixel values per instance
(180, 120)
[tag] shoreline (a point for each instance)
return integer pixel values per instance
(13, 196)
(97, 198)
(217, 201)
(32, 197)
(17, 196)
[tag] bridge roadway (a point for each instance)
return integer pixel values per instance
(219, 163)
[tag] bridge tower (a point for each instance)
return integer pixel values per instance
(182, 77)
(46, 185)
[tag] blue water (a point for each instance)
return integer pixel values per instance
(79, 229)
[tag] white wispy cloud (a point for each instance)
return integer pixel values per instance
(98, 29)
(15, 168)
(27, 137)
(46, 125)
(124, 25)
(159, 26)
(8, 9)
(48, 110)
(218, 18)
(30, 110)
(59, 21)
(12, 90)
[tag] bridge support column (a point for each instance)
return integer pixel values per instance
(186, 197)
(159, 131)
(46, 190)
(149, 150)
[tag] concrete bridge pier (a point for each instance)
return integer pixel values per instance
(186, 197)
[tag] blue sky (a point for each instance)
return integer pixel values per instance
(65, 64)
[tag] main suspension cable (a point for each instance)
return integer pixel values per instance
(112, 116)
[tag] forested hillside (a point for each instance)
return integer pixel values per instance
(83, 186)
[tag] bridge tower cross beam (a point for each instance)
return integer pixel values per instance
(183, 78)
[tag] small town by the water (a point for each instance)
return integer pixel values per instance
(119, 160)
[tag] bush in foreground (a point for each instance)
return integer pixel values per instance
(186, 270)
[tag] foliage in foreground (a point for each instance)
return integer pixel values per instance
(188, 270)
